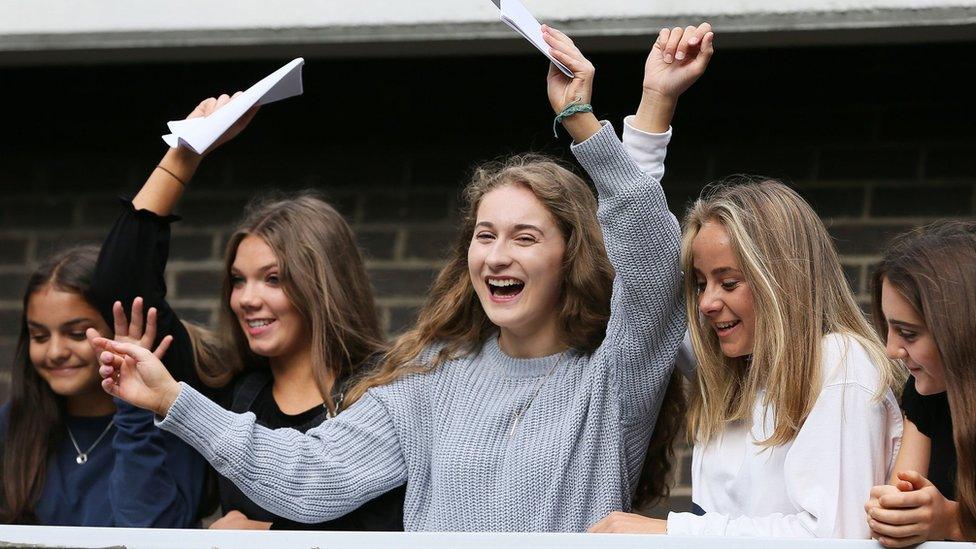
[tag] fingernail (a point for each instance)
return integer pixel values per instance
(679, 56)
(668, 58)
(693, 41)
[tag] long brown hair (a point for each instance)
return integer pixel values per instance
(934, 269)
(35, 424)
(800, 295)
(324, 276)
(453, 317)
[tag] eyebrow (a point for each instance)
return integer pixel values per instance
(517, 227)
(72, 322)
(903, 324)
(267, 267)
(717, 271)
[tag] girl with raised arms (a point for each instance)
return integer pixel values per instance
(297, 319)
(924, 302)
(525, 396)
(71, 455)
(791, 408)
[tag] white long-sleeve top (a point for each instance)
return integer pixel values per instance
(814, 486)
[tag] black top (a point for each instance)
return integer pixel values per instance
(132, 263)
(930, 413)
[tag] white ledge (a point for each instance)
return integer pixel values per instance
(136, 538)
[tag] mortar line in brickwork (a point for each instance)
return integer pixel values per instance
(405, 264)
(868, 199)
(399, 301)
(400, 244)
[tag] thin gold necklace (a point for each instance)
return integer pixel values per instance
(517, 418)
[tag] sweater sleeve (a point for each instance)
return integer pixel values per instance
(647, 319)
(132, 263)
(844, 448)
(312, 477)
(156, 481)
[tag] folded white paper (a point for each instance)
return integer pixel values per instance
(514, 14)
(199, 133)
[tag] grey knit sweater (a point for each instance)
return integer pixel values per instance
(575, 455)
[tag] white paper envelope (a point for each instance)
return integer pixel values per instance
(514, 14)
(200, 133)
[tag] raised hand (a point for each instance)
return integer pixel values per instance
(677, 59)
(564, 90)
(916, 511)
(134, 374)
(135, 331)
(211, 104)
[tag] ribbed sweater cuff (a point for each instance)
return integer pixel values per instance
(604, 157)
(197, 420)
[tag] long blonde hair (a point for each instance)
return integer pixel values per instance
(800, 295)
(322, 274)
(452, 315)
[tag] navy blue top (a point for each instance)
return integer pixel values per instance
(137, 476)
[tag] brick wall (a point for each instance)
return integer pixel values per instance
(879, 139)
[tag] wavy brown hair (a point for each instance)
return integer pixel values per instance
(322, 274)
(934, 269)
(453, 317)
(800, 294)
(35, 425)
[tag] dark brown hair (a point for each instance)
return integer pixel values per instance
(35, 424)
(934, 269)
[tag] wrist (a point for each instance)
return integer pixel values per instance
(581, 126)
(953, 529)
(169, 396)
(655, 112)
(182, 162)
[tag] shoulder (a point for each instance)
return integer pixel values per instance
(845, 360)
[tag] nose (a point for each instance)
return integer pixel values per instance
(708, 303)
(248, 297)
(57, 351)
(498, 256)
(894, 349)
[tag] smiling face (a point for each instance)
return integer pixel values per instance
(271, 324)
(58, 349)
(515, 262)
(909, 340)
(724, 297)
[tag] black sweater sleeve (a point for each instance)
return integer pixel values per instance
(132, 263)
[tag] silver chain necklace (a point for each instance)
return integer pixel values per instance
(535, 392)
(83, 456)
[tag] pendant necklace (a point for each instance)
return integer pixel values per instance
(83, 456)
(535, 392)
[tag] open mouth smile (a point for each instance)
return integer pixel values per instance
(257, 326)
(504, 288)
(725, 328)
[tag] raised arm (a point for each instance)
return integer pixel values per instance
(132, 261)
(641, 236)
(312, 477)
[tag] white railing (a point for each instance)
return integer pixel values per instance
(138, 538)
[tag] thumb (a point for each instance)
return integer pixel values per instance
(141, 354)
(914, 478)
